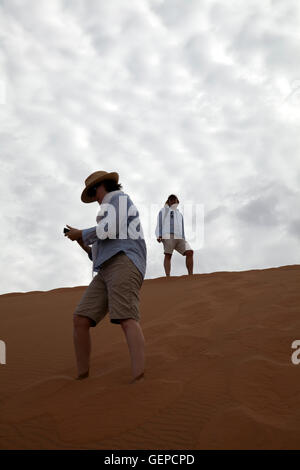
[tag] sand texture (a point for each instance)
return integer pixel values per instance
(218, 368)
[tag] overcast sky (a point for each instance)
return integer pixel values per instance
(193, 97)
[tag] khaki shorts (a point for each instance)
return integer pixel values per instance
(114, 289)
(178, 244)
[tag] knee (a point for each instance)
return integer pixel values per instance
(189, 253)
(79, 321)
(126, 323)
(168, 255)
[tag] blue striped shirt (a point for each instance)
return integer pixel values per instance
(123, 232)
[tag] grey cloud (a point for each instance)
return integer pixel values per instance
(260, 211)
(215, 213)
(294, 228)
(184, 97)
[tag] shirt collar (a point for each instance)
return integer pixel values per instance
(168, 208)
(109, 195)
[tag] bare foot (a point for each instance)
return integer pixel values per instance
(139, 378)
(82, 376)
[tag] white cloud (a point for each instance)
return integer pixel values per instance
(200, 98)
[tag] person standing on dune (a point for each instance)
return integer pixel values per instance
(119, 256)
(170, 231)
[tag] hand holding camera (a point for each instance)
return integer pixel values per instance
(72, 233)
(75, 234)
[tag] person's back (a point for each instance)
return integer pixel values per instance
(119, 229)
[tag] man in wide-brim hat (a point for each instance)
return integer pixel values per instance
(120, 263)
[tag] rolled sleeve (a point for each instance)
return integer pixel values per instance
(89, 235)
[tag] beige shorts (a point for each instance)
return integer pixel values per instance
(178, 244)
(114, 289)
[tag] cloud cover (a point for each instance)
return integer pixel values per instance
(199, 98)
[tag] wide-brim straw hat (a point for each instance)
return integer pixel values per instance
(95, 178)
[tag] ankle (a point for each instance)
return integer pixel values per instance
(83, 375)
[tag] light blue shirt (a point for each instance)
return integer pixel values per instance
(170, 221)
(117, 230)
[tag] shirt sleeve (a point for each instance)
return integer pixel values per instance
(89, 235)
(158, 230)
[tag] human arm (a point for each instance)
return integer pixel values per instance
(89, 235)
(76, 234)
(112, 220)
(86, 248)
(183, 235)
(158, 230)
(73, 233)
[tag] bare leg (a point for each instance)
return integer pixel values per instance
(189, 261)
(167, 263)
(136, 343)
(82, 344)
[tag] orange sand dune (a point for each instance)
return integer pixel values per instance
(218, 368)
